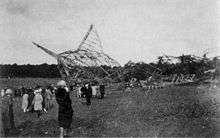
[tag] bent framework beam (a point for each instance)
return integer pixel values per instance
(89, 53)
(63, 71)
(46, 50)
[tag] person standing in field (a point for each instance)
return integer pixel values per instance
(79, 92)
(65, 112)
(94, 91)
(83, 91)
(88, 94)
(48, 98)
(2, 92)
(30, 100)
(43, 93)
(7, 114)
(25, 102)
(38, 101)
(102, 90)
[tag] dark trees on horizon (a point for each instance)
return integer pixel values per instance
(187, 64)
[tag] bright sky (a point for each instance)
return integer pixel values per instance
(137, 30)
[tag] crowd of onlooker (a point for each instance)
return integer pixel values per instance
(36, 99)
(41, 99)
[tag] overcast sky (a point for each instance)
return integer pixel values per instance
(137, 30)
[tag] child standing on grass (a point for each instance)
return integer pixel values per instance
(37, 101)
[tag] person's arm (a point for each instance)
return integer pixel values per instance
(43, 100)
(66, 88)
(90, 91)
(33, 101)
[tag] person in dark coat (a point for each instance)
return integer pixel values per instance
(102, 90)
(83, 90)
(43, 93)
(88, 94)
(23, 90)
(65, 107)
(7, 114)
(30, 99)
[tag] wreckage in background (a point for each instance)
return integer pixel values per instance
(185, 69)
(89, 53)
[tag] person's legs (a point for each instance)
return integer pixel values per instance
(102, 95)
(25, 106)
(61, 132)
(65, 132)
(38, 113)
(88, 102)
(67, 128)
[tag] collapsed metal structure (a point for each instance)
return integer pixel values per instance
(158, 80)
(89, 53)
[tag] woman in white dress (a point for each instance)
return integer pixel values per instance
(37, 101)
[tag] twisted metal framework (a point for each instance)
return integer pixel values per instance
(89, 53)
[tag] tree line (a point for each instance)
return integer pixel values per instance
(35, 71)
(185, 64)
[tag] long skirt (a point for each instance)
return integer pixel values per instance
(25, 102)
(49, 103)
(65, 116)
(94, 91)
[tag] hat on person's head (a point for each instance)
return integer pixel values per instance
(9, 91)
(61, 83)
(36, 91)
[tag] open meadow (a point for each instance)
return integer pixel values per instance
(177, 111)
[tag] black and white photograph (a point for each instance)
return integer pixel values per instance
(110, 68)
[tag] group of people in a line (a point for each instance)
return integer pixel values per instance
(38, 99)
(87, 91)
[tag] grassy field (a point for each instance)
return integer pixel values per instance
(176, 111)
